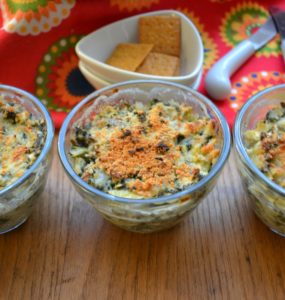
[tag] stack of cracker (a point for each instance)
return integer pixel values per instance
(158, 50)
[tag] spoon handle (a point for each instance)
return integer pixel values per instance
(217, 82)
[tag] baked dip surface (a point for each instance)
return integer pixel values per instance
(265, 144)
(22, 137)
(144, 150)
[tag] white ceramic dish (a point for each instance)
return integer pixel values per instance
(95, 81)
(96, 47)
(99, 83)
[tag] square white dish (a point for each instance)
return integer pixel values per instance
(94, 49)
(98, 83)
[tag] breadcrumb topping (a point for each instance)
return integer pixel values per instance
(147, 150)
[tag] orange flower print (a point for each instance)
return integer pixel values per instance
(59, 82)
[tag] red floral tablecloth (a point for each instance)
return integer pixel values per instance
(37, 41)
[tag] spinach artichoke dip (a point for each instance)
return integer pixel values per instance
(266, 144)
(144, 150)
(22, 137)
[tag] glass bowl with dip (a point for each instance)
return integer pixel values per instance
(144, 153)
(259, 135)
(26, 135)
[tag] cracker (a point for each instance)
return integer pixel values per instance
(164, 32)
(129, 56)
(160, 64)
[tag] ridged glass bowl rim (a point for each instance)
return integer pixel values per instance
(238, 138)
(49, 138)
(216, 168)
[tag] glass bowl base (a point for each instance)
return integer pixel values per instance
(14, 226)
(278, 232)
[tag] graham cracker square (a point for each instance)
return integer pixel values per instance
(129, 56)
(160, 64)
(164, 32)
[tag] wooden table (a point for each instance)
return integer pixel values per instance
(67, 251)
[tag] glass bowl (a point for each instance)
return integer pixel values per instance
(146, 215)
(266, 197)
(17, 199)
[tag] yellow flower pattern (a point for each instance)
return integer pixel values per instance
(31, 17)
(241, 22)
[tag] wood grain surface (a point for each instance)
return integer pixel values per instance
(67, 251)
